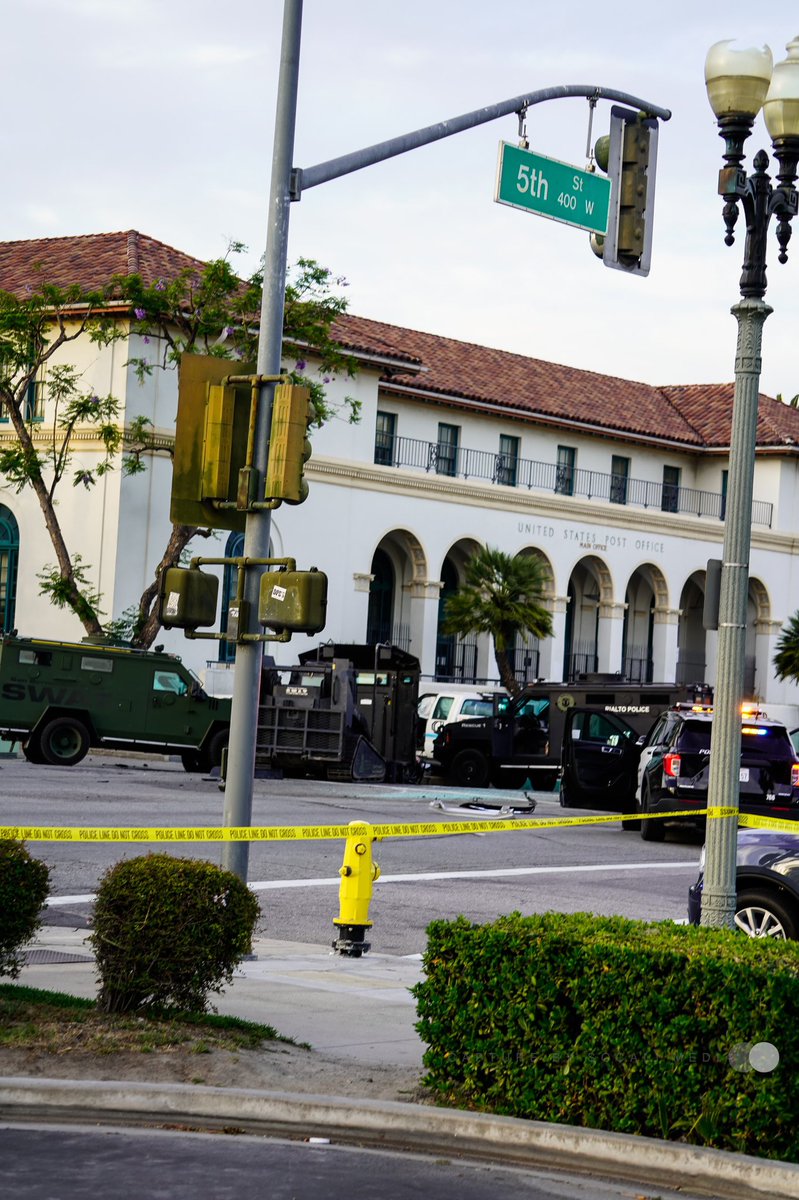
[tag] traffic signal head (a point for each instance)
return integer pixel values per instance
(289, 447)
(187, 598)
(293, 601)
(628, 154)
(210, 443)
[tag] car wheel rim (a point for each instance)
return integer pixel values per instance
(760, 923)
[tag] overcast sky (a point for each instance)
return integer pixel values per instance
(160, 117)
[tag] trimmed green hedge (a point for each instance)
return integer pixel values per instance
(616, 1025)
(24, 887)
(167, 931)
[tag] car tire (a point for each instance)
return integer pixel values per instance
(64, 741)
(652, 830)
(469, 769)
(33, 751)
(563, 796)
(212, 756)
(192, 762)
(759, 914)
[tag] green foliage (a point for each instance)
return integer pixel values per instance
(616, 1025)
(786, 658)
(24, 887)
(71, 590)
(167, 931)
(501, 597)
(213, 311)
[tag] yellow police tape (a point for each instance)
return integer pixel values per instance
(297, 833)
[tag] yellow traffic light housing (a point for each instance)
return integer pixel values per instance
(293, 601)
(628, 154)
(289, 447)
(210, 443)
(187, 598)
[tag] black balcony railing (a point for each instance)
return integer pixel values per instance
(549, 477)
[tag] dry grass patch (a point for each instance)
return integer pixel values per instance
(56, 1023)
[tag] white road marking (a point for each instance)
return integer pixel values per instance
(433, 876)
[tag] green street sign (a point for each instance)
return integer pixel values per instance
(552, 189)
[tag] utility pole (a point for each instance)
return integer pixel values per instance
(247, 680)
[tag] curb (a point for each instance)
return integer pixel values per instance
(393, 1125)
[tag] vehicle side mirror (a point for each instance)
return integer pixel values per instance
(641, 740)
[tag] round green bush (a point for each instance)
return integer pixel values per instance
(167, 931)
(24, 887)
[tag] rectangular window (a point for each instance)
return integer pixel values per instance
(564, 472)
(724, 477)
(507, 466)
(670, 500)
(447, 450)
(34, 401)
(619, 475)
(385, 434)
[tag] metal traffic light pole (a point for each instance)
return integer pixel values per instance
(247, 675)
(287, 185)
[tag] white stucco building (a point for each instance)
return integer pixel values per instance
(619, 487)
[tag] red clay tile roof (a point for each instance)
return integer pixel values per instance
(697, 415)
(89, 261)
(708, 407)
(477, 377)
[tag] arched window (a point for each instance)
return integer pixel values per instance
(233, 549)
(9, 555)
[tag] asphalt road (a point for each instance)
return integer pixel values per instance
(598, 869)
(84, 1163)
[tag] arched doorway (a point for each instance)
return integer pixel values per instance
(589, 587)
(9, 558)
(380, 619)
(456, 656)
(531, 657)
(646, 592)
(691, 634)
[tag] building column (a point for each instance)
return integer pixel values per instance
(358, 607)
(767, 633)
(610, 636)
(665, 629)
(550, 663)
(424, 595)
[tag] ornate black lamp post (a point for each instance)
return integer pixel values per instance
(739, 83)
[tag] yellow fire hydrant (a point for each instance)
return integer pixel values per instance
(358, 872)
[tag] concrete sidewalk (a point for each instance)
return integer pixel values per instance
(359, 1008)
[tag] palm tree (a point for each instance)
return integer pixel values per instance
(501, 596)
(786, 660)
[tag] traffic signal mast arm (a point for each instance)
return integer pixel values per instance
(303, 178)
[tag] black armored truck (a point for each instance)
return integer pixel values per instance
(584, 734)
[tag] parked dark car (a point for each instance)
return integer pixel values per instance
(767, 884)
(674, 768)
